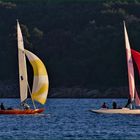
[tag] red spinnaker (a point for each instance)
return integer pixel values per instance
(136, 57)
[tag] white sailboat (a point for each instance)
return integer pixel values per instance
(40, 82)
(134, 97)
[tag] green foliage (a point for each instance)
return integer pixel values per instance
(7, 5)
(80, 42)
(37, 33)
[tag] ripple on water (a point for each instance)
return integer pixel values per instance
(70, 119)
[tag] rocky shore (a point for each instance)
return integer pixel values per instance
(11, 90)
(114, 92)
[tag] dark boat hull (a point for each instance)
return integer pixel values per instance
(21, 112)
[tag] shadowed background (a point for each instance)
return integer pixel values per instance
(81, 42)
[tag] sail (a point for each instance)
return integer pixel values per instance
(129, 65)
(40, 82)
(22, 65)
(137, 99)
(136, 57)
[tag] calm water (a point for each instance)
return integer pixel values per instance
(69, 119)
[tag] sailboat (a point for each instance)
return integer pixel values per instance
(133, 94)
(40, 81)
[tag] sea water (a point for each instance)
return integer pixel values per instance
(69, 119)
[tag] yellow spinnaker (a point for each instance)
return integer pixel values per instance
(40, 82)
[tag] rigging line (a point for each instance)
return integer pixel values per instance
(28, 85)
(31, 95)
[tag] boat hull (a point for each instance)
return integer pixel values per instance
(21, 112)
(117, 111)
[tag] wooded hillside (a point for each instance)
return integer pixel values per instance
(80, 42)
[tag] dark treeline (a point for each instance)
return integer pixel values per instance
(80, 42)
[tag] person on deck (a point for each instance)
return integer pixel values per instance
(114, 105)
(104, 105)
(128, 102)
(2, 106)
(25, 106)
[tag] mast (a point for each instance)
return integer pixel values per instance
(129, 66)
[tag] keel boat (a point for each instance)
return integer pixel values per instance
(40, 81)
(133, 94)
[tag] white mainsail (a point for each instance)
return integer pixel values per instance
(129, 65)
(22, 65)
